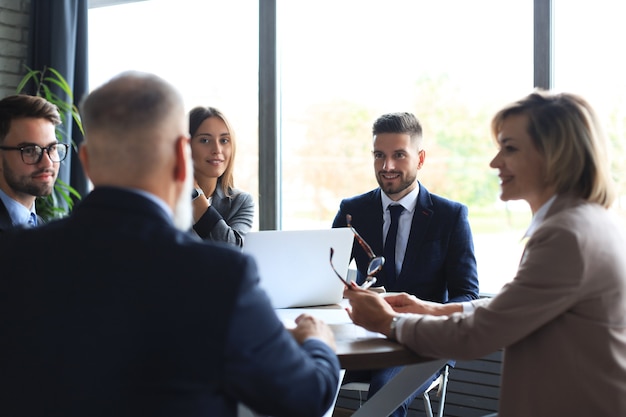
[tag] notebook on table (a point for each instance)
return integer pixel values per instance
(294, 265)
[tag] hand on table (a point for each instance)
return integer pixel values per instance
(309, 326)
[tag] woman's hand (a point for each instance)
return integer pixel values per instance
(369, 310)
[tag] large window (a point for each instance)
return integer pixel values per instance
(207, 48)
(452, 63)
(342, 63)
(590, 62)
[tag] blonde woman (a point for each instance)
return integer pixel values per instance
(562, 319)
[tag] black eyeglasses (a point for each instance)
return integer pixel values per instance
(32, 154)
(373, 267)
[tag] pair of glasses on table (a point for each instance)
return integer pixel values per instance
(373, 267)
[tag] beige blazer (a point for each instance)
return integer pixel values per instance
(561, 321)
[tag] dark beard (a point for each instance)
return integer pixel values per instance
(23, 184)
(391, 190)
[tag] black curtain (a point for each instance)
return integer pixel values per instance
(58, 39)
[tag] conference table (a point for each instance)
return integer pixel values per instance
(359, 349)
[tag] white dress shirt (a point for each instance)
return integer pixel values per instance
(409, 202)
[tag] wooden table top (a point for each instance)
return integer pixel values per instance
(357, 348)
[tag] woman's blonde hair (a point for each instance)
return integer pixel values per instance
(566, 131)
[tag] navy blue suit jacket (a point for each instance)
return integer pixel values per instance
(439, 264)
(114, 312)
(5, 219)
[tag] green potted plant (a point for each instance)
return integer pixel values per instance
(60, 202)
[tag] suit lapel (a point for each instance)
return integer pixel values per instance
(372, 224)
(367, 219)
(221, 202)
(5, 219)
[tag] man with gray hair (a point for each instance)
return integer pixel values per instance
(133, 315)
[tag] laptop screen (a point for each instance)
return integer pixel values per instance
(294, 265)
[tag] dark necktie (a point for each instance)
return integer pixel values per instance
(390, 243)
(32, 220)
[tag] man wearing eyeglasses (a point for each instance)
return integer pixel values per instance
(30, 156)
(432, 252)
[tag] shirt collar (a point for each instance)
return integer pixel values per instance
(539, 217)
(19, 214)
(409, 201)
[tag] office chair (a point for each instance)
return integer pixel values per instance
(440, 383)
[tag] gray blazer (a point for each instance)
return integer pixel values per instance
(228, 219)
(561, 321)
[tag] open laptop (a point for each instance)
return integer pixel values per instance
(294, 265)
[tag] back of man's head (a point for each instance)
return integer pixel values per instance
(22, 105)
(131, 124)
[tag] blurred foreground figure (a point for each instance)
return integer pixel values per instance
(107, 313)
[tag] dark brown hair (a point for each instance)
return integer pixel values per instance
(399, 123)
(21, 106)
